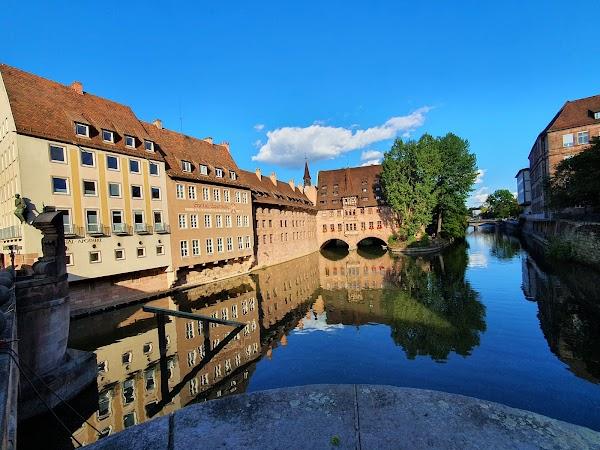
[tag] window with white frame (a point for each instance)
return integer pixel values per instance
(195, 247)
(60, 185)
(141, 252)
(119, 254)
(149, 146)
(203, 169)
(240, 243)
(118, 222)
(247, 241)
(191, 358)
(129, 141)
(228, 221)
(232, 175)
(207, 221)
(58, 154)
(583, 137)
(229, 244)
(160, 250)
(220, 245)
(112, 162)
(567, 140)
(238, 197)
(183, 246)
(87, 158)
(90, 188)
(209, 246)
(95, 257)
(134, 166)
(246, 221)
(154, 169)
(189, 330)
(136, 191)
(194, 387)
(245, 197)
(238, 221)
(226, 195)
(180, 191)
(192, 192)
(155, 191)
(108, 136)
(216, 195)
(218, 172)
(205, 194)
(186, 166)
(81, 129)
(193, 220)
(182, 221)
(219, 221)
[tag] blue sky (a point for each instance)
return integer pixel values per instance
(333, 80)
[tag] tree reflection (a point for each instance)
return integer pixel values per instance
(504, 246)
(433, 310)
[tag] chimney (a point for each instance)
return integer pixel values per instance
(273, 178)
(77, 86)
(157, 123)
(208, 139)
(258, 174)
(292, 185)
(225, 144)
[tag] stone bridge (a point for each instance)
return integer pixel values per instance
(476, 223)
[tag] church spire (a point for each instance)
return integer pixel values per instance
(306, 174)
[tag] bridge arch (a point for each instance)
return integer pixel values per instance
(370, 241)
(335, 243)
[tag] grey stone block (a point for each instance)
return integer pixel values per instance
(152, 435)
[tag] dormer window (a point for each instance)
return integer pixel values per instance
(81, 129)
(596, 115)
(203, 169)
(108, 136)
(129, 141)
(186, 166)
(149, 146)
(232, 175)
(219, 173)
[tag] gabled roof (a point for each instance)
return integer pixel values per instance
(49, 110)
(350, 182)
(177, 147)
(575, 113)
(265, 191)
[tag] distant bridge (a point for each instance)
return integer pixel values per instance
(476, 223)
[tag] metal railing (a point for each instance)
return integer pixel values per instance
(73, 230)
(161, 228)
(161, 314)
(97, 229)
(10, 232)
(142, 228)
(121, 229)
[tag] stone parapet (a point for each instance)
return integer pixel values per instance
(9, 373)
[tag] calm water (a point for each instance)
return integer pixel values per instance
(485, 319)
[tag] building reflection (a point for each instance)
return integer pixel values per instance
(568, 312)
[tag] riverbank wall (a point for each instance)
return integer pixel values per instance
(576, 240)
(9, 373)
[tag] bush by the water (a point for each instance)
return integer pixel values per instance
(559, 249)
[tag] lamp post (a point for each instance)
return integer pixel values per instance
(12, 248)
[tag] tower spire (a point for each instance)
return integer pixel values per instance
(306, 173)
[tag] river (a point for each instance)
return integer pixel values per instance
(486, 319)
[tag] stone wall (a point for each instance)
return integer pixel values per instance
(9, 375)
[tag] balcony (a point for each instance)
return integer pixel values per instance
(72, 231)
(121, 229)
(10, 232)
(97, 230)
(142, 228)
(161, 228)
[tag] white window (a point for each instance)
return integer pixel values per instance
(141, 252)
(247, 241)
(194, 220)
(238, 221)
(180, 191)
(90, 188)
(192, 192)
(218, 172)
(134, 166)
(205, 194)
(154, 169)
(82, 129)
(232, 175)
(95, 257)
(220, 245)
(209, 246)
(155, 193)
(91, 220)
(234, 311)
(149, 146)
(69, 259)
(597, 115)
(66, 220)
(191, 358)
(204, 379)
(182, 221)
(219, 221)
(245, 197)
(87, 158)
(216, 195)
(203, 170)
(568, 140)
(60, 185)
(139, 222)
(118, 224)
(583, 137)
(207, 221)
(195, 247)
(228, 221)
(184, 248)
(189, 330)
(129, 141)
(108, 136)
(186, 166)
(238, 197)
(226, 196)
(112, 162)
(240, 243)
(194, 386)
(136, 191)
(246, 221)
(160, 250)
(229, 244)
(58, 154)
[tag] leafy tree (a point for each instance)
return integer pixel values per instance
(576, 181)
(501, 204)
(458, 171)
(409, 181)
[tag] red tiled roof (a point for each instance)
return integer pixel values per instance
(264, 191)
(49, 110)
(576, 113)
(335, 184)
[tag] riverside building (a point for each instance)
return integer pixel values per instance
(96, 162)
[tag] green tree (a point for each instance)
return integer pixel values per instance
(458, 171)
(501, 204)
(409, 181)
(576, 181)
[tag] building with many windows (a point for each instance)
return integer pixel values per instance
(210, 209)
(94, 160)
(351, 207)
(568, 133)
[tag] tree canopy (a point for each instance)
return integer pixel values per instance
(576, 181)
(429, 180)
(501, 204)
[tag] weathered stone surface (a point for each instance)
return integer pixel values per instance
(152, 435)
(355, 416)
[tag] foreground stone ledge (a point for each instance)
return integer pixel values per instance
(352, 417)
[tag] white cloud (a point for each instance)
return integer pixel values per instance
(371, 162)
(480, 175)
(258, 143)
(288, 146)
(371, 154)
(479, 196)
(259, 126)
